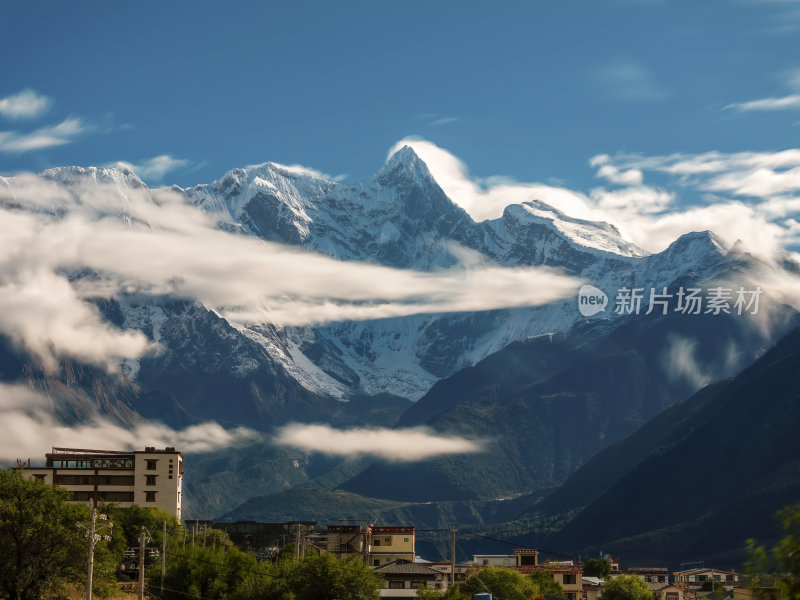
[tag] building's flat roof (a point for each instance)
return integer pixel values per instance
(704, 570)
(57, 451)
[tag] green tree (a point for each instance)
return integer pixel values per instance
(597, 567)
(202, 571)
(626, 587)
(547, 583)
(504, 583)
(780, 566)
(40, 545)
(326, 577)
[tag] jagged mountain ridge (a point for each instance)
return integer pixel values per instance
(400, 217)
(265, 375)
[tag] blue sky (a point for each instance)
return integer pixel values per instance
(530, 90)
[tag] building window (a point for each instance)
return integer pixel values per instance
(150, 479)
(376, 542)
(387, 540)
(116, 496)
(571, 596)
(570, 579)
(396, 585)
(39, 476)
(376, 562)
(151, 464)
(150, 496)
(405, 539)
(415, 585)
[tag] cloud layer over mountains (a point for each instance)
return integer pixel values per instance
(63, 245)
(748, 196)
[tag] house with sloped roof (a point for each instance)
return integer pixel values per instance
(403, 578)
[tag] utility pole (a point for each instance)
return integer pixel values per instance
(163, 556)
(297, 544)
(453, 557)
(143, 539)
(92, 527)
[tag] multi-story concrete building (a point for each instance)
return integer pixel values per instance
(390, 544)
(376, 545)
(695, 578)
(647, 574)
(146, 478)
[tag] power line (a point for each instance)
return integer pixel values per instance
(182, 593)
(542, 550)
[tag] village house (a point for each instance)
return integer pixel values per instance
(403, 578)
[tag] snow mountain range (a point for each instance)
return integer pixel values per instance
(400, 217)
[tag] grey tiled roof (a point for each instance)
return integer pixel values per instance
(404, 567)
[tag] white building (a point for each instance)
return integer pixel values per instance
(146, 478)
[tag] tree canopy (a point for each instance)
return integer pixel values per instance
(504, 583)
(626, 587)
(597, 567)
(40, 545)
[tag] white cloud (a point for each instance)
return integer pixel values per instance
(651, 217)
(613, 174)
(444, 121)
(154, 169)
(302, 170)
(153, 242)
(26, 104)
(626, 79)
(790, 102)
(28, 430)
(13, 142)
(680, 362)
(400, 445)
(486, 198)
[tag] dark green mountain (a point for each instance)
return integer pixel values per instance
(545, 406)
(701, 478)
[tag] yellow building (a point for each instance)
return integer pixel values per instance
(389, 544)
(377, 546)
(146, 478)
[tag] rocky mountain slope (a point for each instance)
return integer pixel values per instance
(699, 479)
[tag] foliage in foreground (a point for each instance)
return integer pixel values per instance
(779, 567)
(235, 575)
(501, 583)
(40, 546)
